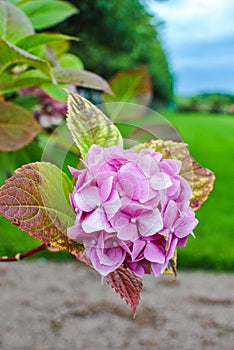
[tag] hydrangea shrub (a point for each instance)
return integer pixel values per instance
(126, 211)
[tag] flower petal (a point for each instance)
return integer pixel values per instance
(150, 223)
(95, 221)
(106, 262)
(160, 181)
(154, 253)
(106, 188)
(87, 199)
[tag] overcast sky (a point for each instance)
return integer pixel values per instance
(199, 38)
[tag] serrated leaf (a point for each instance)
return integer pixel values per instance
(30, 42)
(124, 282)
(81, 78)
(203, 182)
(14, 24)
(36, 199)
(131, 88)
(17, 127)
(47, 13)
(127, 284)
(88, 125)
(12, 55)
(200, 179)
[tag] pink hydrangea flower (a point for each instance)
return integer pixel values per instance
(131, 209)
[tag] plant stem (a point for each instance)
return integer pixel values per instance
(21, 256)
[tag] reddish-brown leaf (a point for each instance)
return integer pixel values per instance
(124, 282)
(17, 127)
(35, 198)
(81, 78)
(127, 284)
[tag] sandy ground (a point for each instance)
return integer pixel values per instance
(49, 306)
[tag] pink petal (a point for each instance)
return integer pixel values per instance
(160, 181)
(154, 253)
(174, 188)
(171, 249)
(87, 199)
(171, 166)
(185, 225)
(126, 230)
(147, 165)
(110, 256)
(75, 232)
(150, 223)
(157, 269)
(171, 214)
(131, 168)
(128, 185)
(113, 204)
(106, 188)
(95, 221)
(137, 248)
(102, 268)
(94, 159)
(75, 172)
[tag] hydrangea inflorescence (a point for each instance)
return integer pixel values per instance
(131, 209)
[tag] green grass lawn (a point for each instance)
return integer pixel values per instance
(211, 143)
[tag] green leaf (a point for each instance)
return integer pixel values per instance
(60, 47)
(89, 125)
(81, 78)
(131, 88)
(29, 78)
(30, 42)
(14, 24)
(17, 127)
(47, 13)
(69, 60)
(12, 55)
(36, 199)
(55, 91)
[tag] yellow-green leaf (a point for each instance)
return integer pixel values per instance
(12, 55)
(32, 41)
(89, 125)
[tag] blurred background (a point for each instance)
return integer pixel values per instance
(175, 57)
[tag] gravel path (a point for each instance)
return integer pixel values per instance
(49, 306)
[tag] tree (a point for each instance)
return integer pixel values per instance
(117, 35)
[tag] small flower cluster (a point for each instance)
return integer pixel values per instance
(131, 209)
(48, 111)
